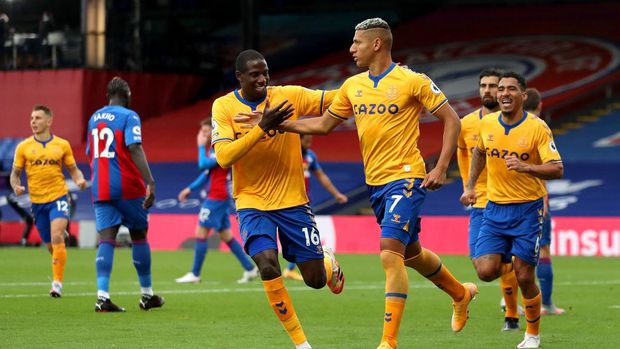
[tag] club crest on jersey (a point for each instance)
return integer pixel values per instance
(358, 93)
(490, 138)
(391, 92)
(522, 143)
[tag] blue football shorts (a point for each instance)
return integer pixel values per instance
(397, 207)
(45, 213)
(128, 212)
(215, 214)
(511, 229)
(475, 221)
(297, 230)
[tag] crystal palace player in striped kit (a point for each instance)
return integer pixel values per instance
(119, 174)
(215, 210)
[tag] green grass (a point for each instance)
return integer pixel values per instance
(218, 313)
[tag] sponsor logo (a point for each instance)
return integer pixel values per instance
(502, 153)
(44, 162)
(374, 109)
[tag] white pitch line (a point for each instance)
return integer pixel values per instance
(359, 287)
(89, 283)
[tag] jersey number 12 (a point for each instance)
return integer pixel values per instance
(107, 135)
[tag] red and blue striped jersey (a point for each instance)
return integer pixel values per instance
(114, 175)
(217, 179)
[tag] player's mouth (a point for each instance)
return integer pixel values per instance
(506, 102)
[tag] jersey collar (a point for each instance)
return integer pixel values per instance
(250, 104)
(377, 78)
(44, 143)
(507, 128)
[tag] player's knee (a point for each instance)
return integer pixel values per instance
(390, 259)
(487, 272)
(226, 235)
(137, 235)
(269, 271)
(316, 280)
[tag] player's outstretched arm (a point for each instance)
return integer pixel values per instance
(451, 129)
(77, 176)
(321, 125)
(326, 182)
(139, 158)
(16, 182)
(229, 152)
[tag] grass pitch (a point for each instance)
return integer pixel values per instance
(218, 313)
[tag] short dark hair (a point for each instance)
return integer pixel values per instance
(241, 64)
(43, 108)
(118, 87)
(533, 99)
(519, 77)
(490, 72)
(205, 122)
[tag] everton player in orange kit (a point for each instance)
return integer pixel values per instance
(518, 151)
(42, 156)
(268, 184)
(386, 102)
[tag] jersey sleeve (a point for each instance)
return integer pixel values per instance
(427, 93)
(314, 163)
(547, 150)
(19, 160)
(68, 160)
(480, 145)
(221, 123)
(307, 101)
(133, 130)
(341, 107)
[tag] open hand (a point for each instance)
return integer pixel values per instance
(272, 118)
(249, 119)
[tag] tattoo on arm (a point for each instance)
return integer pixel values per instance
(478, 162)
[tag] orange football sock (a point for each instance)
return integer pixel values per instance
(510, 290)
(396, 289)
(428, 264)
(532, 313)
(283, 307)
(59, 259)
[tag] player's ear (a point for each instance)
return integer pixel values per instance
(377, 43)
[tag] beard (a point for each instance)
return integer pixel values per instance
(490, 104)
